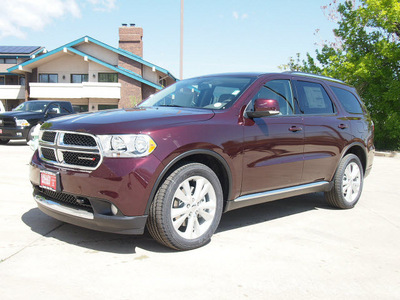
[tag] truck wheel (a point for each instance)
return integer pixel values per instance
(348, 183)
(4, 141)
(29, 136)
(187, 208)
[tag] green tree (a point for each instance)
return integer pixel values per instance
(366, 55)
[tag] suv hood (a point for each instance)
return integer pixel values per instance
(125, 121)
(27, 115)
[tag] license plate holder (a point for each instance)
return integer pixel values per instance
(50, 181)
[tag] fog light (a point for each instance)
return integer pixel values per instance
(19, 133)
(114, 209)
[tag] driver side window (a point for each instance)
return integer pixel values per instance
(54, 109)
(279, 90)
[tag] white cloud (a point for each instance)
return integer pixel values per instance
(102, 5)
(238, 16)
(17, 16)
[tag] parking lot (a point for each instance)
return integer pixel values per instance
(297, 248)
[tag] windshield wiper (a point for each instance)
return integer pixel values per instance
(170, 105)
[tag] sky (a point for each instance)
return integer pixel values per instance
(219, 35)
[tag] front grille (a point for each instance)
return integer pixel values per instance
(81, 159)
(79, 140)
(66, 199)
(49, 136)
(8, 122)
(48, 154)
(70, 149)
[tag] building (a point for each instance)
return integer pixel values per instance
(93, 75)
(12, 86)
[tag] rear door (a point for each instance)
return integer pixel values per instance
(326, 131)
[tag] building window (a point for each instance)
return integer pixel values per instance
(48, 78)
(106, 106)
(79, 78)
(108, 77)
(2, 80)
(8, 61)
(80, 108)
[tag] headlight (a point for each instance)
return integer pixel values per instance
(22, 122)
(127, 145)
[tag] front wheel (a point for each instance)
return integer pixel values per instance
(348, 183)
(187, 208)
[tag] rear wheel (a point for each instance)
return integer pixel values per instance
(4, 141)
(348, 183)
(187, 208)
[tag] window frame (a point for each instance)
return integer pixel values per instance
(108, 74)
(81, 76)
(48, 77)
(327, 92)
(358, 100)
(296, 109)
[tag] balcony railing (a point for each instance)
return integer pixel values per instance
(106, 90)
(12, 92)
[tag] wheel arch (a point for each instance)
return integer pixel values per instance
(207, 157)
(358, 150)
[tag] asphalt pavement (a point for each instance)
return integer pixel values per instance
(297, 248)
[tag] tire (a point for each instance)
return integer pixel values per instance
(348, 183)
(187, 208)
(4, 141)
(29, 136)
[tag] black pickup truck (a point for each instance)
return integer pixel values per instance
(19, 123)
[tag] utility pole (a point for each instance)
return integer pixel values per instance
(181, 54)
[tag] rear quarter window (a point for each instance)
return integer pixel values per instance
(348, 100)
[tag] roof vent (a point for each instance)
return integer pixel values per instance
(124, 24)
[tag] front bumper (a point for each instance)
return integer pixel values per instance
(91, 220)
(91, 198)
(14, 133)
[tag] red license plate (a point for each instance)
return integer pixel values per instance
(48, 180)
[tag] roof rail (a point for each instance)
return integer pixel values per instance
(314, 76)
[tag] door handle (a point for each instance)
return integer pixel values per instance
(295, 128)
(343, 126)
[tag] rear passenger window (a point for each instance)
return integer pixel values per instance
(313, 98)
(348, 100)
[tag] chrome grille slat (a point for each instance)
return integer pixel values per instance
(70, 149)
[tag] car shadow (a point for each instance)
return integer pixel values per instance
(127, 244)
(90, 239)
(269, 211)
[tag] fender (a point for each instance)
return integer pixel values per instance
(361, 145)
(179, 158)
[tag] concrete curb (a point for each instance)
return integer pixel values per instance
(387, 154)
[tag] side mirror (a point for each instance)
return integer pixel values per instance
(264, 108)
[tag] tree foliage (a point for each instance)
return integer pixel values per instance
(367, 56)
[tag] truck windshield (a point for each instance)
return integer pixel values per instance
(218, 92)
(31, 106)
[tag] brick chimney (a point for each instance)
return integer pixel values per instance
(130, 39)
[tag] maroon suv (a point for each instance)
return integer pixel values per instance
(201, 147)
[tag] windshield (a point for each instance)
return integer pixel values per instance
(31, 106)
(218, 92)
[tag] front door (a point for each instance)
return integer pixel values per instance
(273, 145)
